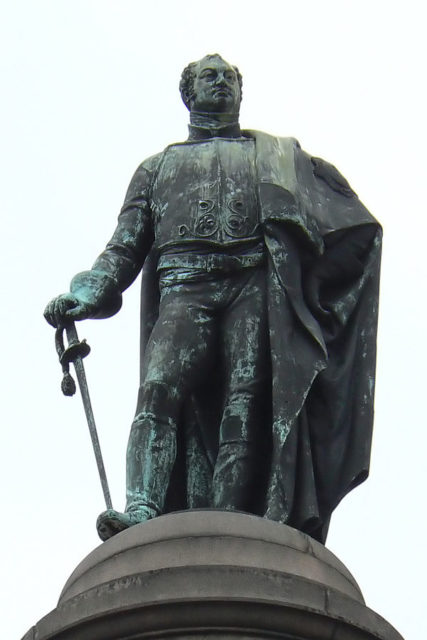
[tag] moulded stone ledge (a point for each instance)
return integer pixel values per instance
(211, 574)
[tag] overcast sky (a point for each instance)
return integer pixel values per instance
(89, 91)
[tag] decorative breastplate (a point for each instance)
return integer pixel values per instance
(205, 191)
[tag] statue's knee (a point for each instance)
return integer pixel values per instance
(157, 399)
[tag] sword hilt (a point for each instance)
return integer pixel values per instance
(75, 349)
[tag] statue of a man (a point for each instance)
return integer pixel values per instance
(259, 305)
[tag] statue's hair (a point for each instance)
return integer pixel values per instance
(186, 84)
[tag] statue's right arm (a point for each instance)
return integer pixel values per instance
(97, 293)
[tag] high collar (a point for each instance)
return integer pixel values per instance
(204, 125)
(231, 130)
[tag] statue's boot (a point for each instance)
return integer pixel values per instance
(111, 522)
(234, 480)
(150, 458)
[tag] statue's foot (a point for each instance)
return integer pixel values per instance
(111, 522)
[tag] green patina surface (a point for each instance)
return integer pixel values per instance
(258, 323)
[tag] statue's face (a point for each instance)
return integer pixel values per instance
(216, 87)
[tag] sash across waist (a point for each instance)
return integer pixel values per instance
(211, 261)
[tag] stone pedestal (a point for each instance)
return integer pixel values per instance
(211, 574)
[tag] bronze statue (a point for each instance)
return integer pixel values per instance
(258, 320)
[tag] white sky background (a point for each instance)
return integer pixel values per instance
(89, 91)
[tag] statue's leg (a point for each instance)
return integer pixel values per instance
(244, 343)
(180, 349)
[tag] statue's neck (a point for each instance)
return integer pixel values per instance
(209, 125)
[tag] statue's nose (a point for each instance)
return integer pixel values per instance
(220, 79)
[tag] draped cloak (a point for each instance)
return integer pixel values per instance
(323, 251)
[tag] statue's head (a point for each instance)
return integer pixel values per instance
(211, 85)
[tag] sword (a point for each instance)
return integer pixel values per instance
(75, 352)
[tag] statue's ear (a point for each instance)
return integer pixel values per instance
(185, 95)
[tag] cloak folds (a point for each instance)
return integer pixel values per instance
(323, 275)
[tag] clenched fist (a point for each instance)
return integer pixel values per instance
(67, 307)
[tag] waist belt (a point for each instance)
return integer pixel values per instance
(210, 262)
